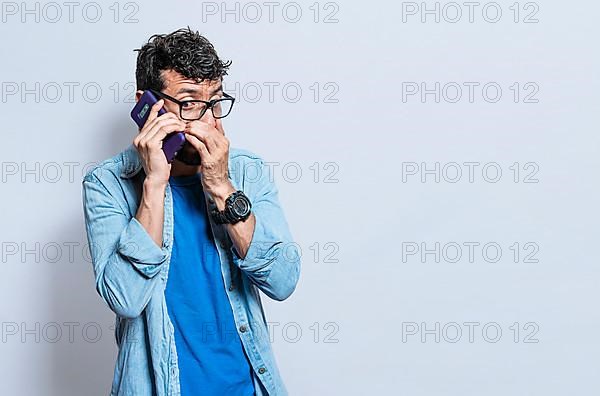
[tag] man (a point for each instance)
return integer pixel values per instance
(181, 249)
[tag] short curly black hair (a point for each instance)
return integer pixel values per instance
(184, 51)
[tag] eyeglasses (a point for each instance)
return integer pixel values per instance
(192, 110)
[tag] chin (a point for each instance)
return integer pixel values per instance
(188, 155)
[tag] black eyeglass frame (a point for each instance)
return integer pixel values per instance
(209, 104)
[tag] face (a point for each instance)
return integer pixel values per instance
(182, 88)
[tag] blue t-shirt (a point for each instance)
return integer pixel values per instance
(210, 354)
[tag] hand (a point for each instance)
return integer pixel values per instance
(213, 146)
(149, 144)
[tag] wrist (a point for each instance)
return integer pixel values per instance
(237, 208)
(221, 194)
(152, 185)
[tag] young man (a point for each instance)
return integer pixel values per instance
(180, 250)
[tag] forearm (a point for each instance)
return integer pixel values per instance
(240, 232)
(262, 246)
(150, 212)
(272, 260)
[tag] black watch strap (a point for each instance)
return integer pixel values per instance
(229, 215)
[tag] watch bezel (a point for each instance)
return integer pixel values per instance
(229, 214)
(234, 202)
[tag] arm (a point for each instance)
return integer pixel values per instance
(269, 256)
(240, 232)
(151, 211)
(125, 257)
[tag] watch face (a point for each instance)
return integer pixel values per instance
(240, 206)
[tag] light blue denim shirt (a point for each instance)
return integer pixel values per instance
(131, 272)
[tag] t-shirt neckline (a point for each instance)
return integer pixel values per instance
(185, 180)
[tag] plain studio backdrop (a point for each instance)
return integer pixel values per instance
(436, 161)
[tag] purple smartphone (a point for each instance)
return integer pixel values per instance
(174, 141)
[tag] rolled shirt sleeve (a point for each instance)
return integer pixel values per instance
(138, 247)
(272, 260)
(125, 259)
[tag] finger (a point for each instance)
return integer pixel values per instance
(153, 129)
(150, 124)
(151, 117)
(198, 145)
(167, 122)
(166, 116)
(160, 131)
(154, 110)
(160, 136)
(220, 139)
(202, 133)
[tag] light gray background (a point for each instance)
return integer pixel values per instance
(364, 303)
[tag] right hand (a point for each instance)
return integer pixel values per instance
(149, 143)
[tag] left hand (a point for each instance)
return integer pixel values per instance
(213, 146)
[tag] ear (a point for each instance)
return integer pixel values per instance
(138, 95)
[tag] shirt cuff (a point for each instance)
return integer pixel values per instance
(139, 248)
(258, 256)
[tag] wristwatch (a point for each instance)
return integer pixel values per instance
(237, 208)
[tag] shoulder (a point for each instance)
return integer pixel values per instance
(108, 182)
(108, 169)
(241, 160)
(249, 170)
(240, 154)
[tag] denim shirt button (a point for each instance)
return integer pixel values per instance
(262, 370)
(231, 287)
(223, 245)
(243, 328)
